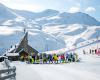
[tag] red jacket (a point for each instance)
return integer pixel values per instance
(62, 57)
(98, 51)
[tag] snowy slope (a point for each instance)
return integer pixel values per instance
(72, 34)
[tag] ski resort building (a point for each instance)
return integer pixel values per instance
(21, 49)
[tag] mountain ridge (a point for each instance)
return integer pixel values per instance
(64, 18)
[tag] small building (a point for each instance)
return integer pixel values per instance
(13, 56)
(22, 49)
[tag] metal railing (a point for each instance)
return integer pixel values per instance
(8, 74)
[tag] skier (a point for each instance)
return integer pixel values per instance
(59, 58)
(37, 59)
(69, 57)
(55, 58)
(66, 57)
(95, 51)
(40, 58)
(84, 52)
(33, 57)
(90, 51)
(29, 59)
(44, 58)
(63, 58)
(75, 57)
(32, 60)
(98, 52)
(50, 59)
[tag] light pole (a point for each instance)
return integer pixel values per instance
(75, 45)
(97, 41)
(46, 45)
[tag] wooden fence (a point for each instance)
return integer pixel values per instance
(8, 74)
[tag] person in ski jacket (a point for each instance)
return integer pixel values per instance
(84, 52)
(73, 57)
(55, 58)
(69, 57)
(32, 60)
(50, 58)
(59, 58)
(37, 59)
(63, 58)
(29, 59)
(44, 58)
(66, 57)
(76, 57)
(98, 52)
(40, 58)
(33, 57)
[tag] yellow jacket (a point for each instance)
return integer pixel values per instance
(55, 57)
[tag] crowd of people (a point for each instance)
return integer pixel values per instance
(92, 51)
(44, 58)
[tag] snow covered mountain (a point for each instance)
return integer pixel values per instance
(52, 17)
(48, 17)
(48, 30)
(34, 15)
(6, 13)
(79, 18)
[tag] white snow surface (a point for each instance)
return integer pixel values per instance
(87, 69)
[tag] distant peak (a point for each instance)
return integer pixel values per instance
(51, 10)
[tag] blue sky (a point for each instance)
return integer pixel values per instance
(92, 7)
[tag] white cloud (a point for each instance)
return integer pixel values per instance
(4, 1)
(21, 5)
(74, 9)
(6, 31)
(29, 7)
(90, 9)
